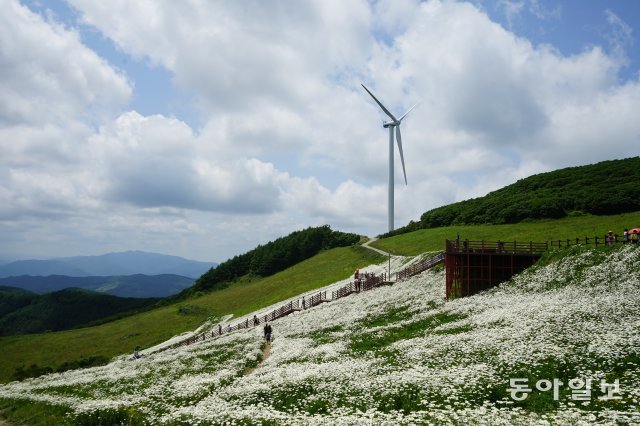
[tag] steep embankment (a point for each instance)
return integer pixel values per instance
(400, 355)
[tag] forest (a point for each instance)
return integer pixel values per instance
(23, 312)
(605, 188)
(273, 257)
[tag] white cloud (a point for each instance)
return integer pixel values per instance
(620, 35)
(289, 138)
(238, 55)
(52, 89)
(48, 75)
(157, 162)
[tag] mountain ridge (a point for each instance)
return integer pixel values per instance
(136, 285)
(110, 264)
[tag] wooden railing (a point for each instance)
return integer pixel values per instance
(419, 267)
(500, 247)
(367, 282)
(371, 281)
(343, 291)
(317, 299)
(597, 240)
(247, 323)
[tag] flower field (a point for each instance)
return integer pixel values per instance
(522, 353)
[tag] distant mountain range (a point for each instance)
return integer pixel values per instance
(137, 285)
(111, 264)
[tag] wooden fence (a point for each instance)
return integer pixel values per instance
(420, 267)
(499, 247)
(617, 239)
(317, 299)
(367, 282)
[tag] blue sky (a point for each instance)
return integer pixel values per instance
(202, 129)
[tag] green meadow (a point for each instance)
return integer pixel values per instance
(433, 239)
(155, 326)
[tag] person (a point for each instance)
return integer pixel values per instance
(625, 236)
(610, 238)
(256, 321)
(304, 303)
(634, 237)
(228, 328)
(136, 352)
(219, 329)
(267, 332)
(357, 279)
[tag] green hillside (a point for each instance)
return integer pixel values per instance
(413, 243)
(24, 312)
(273, 257)
(605, 188)
(53, 350)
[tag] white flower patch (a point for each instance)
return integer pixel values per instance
(397, 354)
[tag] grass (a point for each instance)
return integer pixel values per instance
(425, 240)
(33, 413)
(374, 342)
(155, 326)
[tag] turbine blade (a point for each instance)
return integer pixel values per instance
(408, 111)
(399, 141)
(380, 104)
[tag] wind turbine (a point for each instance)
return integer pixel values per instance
(395, 122)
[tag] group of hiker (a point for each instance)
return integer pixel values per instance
(628, 236)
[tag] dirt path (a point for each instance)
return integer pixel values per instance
(265, 354)
(374, 239)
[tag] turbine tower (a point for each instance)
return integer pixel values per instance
(395, 122)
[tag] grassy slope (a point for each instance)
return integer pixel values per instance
(153, 327)
(375, 374)
(433, 239)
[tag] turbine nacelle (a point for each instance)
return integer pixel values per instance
(394, 122)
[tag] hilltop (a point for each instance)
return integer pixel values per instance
(397, 354)
(605, 188)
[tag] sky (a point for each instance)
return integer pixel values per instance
(204, 128)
